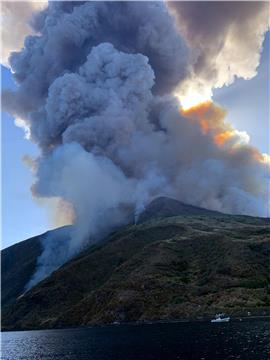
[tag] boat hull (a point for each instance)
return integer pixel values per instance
(220, 320)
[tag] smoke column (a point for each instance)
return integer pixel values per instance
(96, 93)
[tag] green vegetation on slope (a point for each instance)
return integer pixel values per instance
(181, 267)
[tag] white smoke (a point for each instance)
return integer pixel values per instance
(54, 254)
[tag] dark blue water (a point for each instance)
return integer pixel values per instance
(199, 341)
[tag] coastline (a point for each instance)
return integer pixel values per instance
(146, 322)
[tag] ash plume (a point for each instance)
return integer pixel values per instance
(95, 91)
(226, 39)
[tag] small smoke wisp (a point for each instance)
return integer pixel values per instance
(96, 93)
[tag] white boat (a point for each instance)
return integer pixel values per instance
(220, 318)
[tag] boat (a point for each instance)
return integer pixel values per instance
(220, 318)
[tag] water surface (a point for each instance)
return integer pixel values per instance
(199, 341)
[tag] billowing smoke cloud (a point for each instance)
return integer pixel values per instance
(95, 93)
(15, 24)
(70, 29)
(226, 38)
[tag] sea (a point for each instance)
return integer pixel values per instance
(194, 340)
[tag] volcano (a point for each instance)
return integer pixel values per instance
(179, 262)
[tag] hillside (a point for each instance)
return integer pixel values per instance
(18, 263)
(166, 207)
(170, 266)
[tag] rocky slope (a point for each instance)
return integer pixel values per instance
(186, 266)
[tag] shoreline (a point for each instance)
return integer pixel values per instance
(138, 323)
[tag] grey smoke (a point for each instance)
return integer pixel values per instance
(95, 90)
(70, 29)
(226, 39)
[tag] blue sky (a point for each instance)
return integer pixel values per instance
(22, 217)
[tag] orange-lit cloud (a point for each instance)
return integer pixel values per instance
(222, 137)
(211, 119)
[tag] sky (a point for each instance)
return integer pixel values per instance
(247, 103)
(19, 208)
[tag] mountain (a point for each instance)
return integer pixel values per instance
(172, 265)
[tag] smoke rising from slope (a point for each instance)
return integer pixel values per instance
(54, 254)
(95, 93)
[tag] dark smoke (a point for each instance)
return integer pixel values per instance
(70, 29)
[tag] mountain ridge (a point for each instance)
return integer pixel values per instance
(163, 268)
(163, 206)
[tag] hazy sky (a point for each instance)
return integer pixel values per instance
(247, 103)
